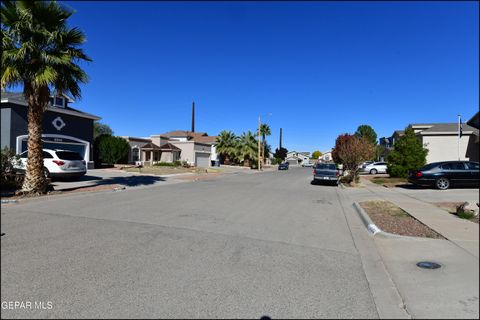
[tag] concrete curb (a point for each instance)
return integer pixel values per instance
(372, 227)
(9, 200)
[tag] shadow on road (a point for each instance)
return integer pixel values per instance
(132, 181)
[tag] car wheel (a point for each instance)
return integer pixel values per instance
(373, 171)
(442, 183)
(46, 173)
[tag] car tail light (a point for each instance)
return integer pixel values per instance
(418, 174)
(58, 162)
(314, 171)
(338, 173)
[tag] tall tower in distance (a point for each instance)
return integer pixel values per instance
(193, 116)
(280, 138)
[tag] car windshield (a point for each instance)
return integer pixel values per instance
(326, 166)
(68, 155)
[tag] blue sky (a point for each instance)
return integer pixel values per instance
(320, 68)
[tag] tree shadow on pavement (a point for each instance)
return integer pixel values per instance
(411, 186)
(131, 181)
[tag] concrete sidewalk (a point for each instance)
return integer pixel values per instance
(448, 292)
(463, 233)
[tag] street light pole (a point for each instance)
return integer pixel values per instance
(259, 168)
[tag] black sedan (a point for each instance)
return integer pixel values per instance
(283, 166)
(443, 175)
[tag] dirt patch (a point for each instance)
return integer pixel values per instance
(393, 219)
(451, 207)
(64, 192)
(389, 182)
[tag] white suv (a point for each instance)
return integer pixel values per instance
(57, 164)
(376, 167)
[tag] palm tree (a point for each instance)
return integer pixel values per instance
(264, 131)
(227, 145)
(248, 148)
(40, 53)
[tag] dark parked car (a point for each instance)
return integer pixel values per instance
(443, 175)
(326, 172)
(283, 166)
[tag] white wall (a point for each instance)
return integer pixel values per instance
(187, 153)
(213, 153)
(189, 148)
(445, 147)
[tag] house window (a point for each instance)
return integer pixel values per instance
(135, 154)
(57, 102)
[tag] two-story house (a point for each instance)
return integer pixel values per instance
(63, 126)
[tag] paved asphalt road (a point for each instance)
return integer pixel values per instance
(239, 246)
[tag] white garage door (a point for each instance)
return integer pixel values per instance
(202, 160)
(292, 162)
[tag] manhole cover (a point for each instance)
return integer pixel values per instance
(428, 265)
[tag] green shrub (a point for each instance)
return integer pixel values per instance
(8, 177)
(276, 161)
(111, 149)
(408, 154)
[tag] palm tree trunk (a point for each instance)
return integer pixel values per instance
(35, 181)
(227, 160)
(263, 151)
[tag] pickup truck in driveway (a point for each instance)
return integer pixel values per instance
(326, 172)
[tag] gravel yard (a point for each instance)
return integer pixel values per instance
(393, 219)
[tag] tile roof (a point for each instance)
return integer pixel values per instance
(206, 139)
(449, 127)
(169, 146)
(18, 98)
(183, 133)
(150, 146)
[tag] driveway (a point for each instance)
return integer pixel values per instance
(455, 194)
(434, 195)
(241, 246)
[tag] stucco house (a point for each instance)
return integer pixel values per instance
(297, 158)
(442, 140)
(63, 127)
(443, 144)
(326, 156)
(195, 148)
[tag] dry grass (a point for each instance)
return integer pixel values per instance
(393, 219)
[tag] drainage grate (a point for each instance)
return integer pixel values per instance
(428, 265)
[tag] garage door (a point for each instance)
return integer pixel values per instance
(202, 160)
(292, 162)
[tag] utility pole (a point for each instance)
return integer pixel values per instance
(193, 116)
(259, 167)
(459, 135)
